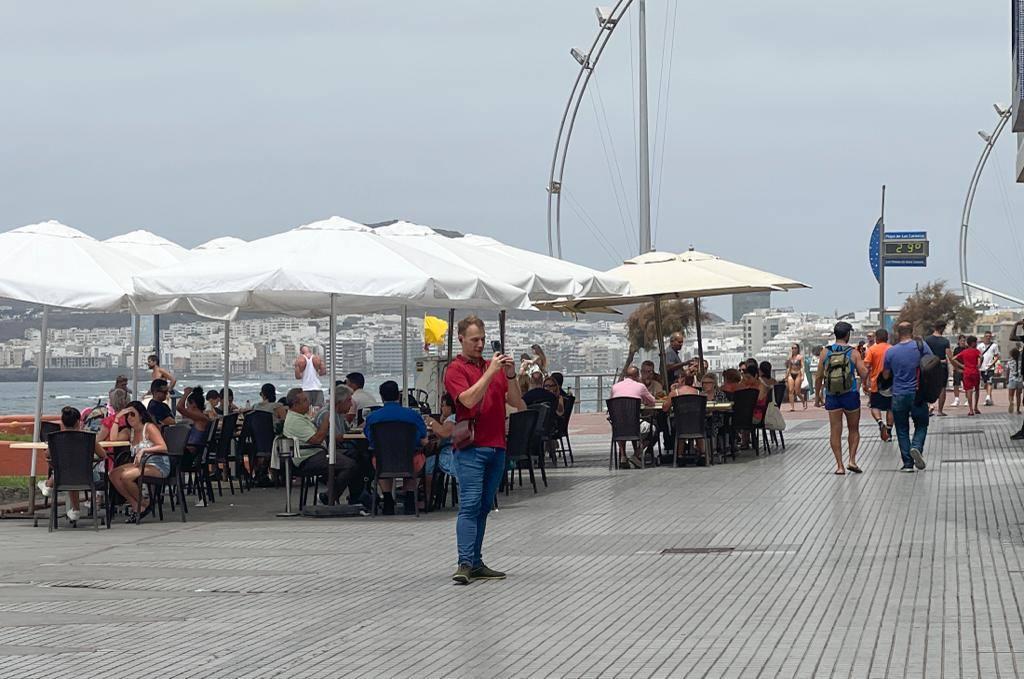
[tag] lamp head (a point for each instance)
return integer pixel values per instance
(580, 56)
(604, 17)
(986, 136)
(1001, 109)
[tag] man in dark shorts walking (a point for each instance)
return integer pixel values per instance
(940, 347)
(879, 391)
(835, 387)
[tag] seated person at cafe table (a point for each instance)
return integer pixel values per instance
(731, 380)
(71, 420)
(362, 400)
(544, 390)
(442, 428)
(649, 378)
(350, 449)
(310, 458)
(147, 446)
(630, 387)
(158, 408)
(394, 411)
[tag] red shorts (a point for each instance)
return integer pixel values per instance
(971, 381)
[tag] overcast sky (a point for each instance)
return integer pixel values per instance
(779, 124)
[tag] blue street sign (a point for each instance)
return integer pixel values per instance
(874, 246)
(895, 261)
(906, 235)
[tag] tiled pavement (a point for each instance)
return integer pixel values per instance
(878, 575)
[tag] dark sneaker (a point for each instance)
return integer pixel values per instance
(1018, 436)
(482, 572)
(907, 469)
(463, 575)
(918, 458)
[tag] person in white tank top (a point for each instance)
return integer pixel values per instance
(308, 368)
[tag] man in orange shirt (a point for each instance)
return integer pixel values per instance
(879, 393)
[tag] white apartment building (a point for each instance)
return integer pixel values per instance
(759, 327)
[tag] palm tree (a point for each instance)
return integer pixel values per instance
(676, 316)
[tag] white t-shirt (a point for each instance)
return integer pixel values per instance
(988, 354)
(363, 399)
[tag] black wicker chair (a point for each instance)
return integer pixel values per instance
(624, 415)
(564, 443)
(394, 449)
(71, 459)
(743, 403)
(257, 440)
(689, 414)
(521, 444)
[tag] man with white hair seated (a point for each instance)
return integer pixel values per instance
(310, 457)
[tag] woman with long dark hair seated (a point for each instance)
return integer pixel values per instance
(147, 442)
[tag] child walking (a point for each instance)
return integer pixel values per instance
(969, 360)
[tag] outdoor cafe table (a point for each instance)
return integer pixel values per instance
(713, 407)
(42, 445)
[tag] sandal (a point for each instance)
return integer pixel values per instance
(839, 473)
(854, 468)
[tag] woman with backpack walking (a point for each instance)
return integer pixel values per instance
(835, 386)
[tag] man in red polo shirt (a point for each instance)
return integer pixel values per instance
(480, 390)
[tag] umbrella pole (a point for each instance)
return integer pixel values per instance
(451, 331)
(225, 398)
(156, 336)
(440, 376)
(333, 445)
(405, 356)
(501, 330)
(37, 424)
(136, 328)
(661, 341)
(700, 342)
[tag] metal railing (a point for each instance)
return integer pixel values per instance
(591, 390)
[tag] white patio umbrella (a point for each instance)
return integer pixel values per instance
(317, 266)
(543, 277)
(157, 251)
(219, 244)
(688, 275)
(54, 265)
(298, 271)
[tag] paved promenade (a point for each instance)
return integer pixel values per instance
(766, 567)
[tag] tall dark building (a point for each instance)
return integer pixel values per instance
(750, 301)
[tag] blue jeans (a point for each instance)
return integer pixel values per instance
(479, 472)
(904, 409)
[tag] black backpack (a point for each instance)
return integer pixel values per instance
(931, 378)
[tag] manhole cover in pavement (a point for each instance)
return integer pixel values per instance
(964, 460)
(697, 550)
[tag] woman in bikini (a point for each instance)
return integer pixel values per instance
(795, 378)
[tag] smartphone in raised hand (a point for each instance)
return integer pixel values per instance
(496, 346)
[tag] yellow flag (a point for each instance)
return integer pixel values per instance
(435, 330)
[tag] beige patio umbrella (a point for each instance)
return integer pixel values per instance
(688, 275)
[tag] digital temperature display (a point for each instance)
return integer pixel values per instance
(906, 248)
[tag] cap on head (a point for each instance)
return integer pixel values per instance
(842, 330)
